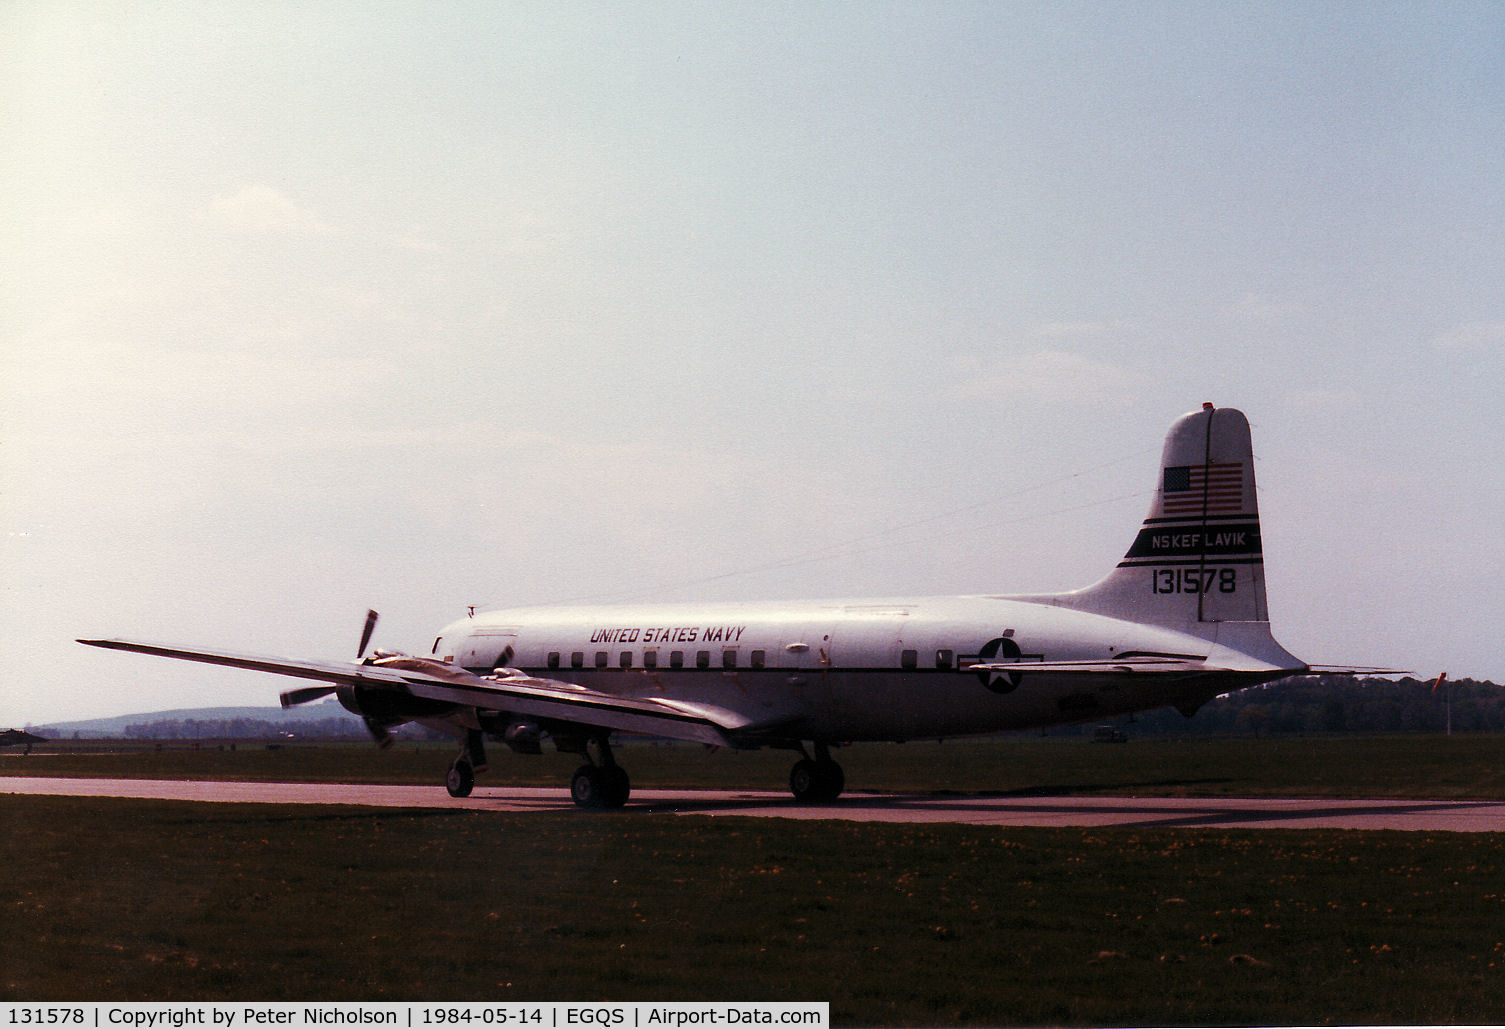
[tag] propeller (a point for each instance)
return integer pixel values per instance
(291, 698)
(371, 618)
(379, 734)
(304, 695)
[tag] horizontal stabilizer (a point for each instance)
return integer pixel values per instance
(1121, 666)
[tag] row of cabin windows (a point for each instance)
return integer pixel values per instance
(757, 659)
(907, 659)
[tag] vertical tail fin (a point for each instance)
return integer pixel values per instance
(1197, 561)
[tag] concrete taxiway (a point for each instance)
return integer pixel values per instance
(1139, 812)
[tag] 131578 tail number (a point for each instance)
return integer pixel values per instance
(1193, 580)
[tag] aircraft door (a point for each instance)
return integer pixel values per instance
(486, 648)
(868, 639)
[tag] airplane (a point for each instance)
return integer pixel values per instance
(1180, 620)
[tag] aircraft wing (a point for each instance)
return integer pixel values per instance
(547, 700)
(340, 673)
(550, 700)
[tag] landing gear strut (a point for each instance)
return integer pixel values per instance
(819, 781)
(602, 784)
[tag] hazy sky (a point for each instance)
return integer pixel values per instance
(310, 307)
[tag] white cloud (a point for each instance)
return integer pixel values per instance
(1077, 330)
(1056, 375)
(1341, 399)
(1473, 336)
(1261, 307)
(418, 244)
(261, 210)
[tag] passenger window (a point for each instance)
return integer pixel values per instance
(553, 659)
(650, 659)
(728, 659)
(758, 657)
(702, 659)
(602, 659)
(626, 659)
(943, 658)
(676, 659)
(577, 659)
(909, 659)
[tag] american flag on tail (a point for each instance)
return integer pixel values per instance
(1219, 485)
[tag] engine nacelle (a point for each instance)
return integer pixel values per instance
(384, 707)
(524, 738)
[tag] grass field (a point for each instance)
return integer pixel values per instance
(1463, 766)
(893, 924)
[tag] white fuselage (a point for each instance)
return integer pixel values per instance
(891, 669)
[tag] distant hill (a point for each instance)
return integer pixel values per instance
(326, 719)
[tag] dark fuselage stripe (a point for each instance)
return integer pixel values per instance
(1192, 562)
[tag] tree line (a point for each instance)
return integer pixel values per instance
(1339, 704)
(258, 729)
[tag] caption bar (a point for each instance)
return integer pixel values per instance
(243, 1015)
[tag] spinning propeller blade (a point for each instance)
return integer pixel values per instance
(371, 617)
(379, 733)
(307, 693)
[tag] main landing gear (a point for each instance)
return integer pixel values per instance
(819, 781)
(461, 778)
(602, 784)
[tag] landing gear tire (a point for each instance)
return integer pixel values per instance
(600, 788)
(618, 786)
(833, 779)
(802, 779)
(461, 779)
(816, 782)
